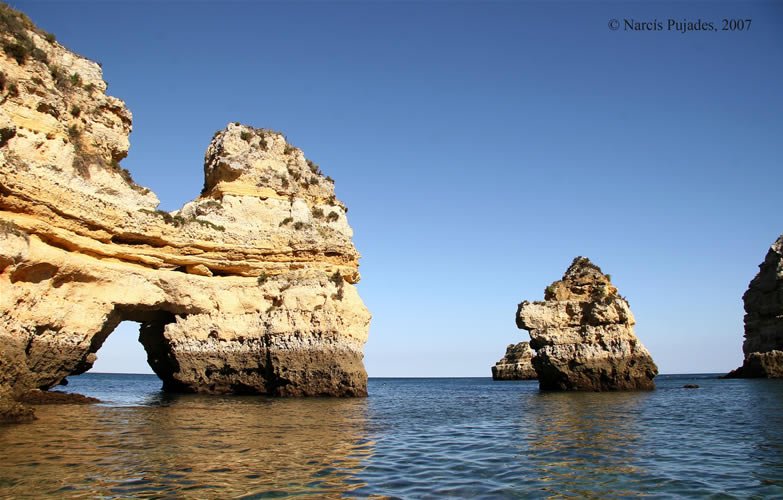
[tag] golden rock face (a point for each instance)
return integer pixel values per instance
(247, 288)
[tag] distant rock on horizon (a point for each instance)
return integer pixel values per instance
(249, 288)
(763, 345)
(583, 335)
(516, 364)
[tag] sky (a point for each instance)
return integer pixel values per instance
(480, 147)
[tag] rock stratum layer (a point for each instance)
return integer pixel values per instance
(517, 364)
(763, 345)
(583, 335)
(249, 288)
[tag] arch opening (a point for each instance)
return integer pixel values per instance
(124, 351)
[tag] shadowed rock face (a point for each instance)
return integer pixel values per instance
(763, 346)
(249, 288)
(516, 364)
(583, 335)
(12, 412)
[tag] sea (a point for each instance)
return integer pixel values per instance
(411, 438)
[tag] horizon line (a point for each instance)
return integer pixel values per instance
(411, 377)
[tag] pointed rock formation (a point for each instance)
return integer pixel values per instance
(583, 335)
(249, 288)
(763, 346)
(516, 364)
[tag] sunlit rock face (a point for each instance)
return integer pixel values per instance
(583, 335)
(517, 364)
(763, 346)
(249, 288)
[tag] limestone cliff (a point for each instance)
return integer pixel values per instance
(763, 346)
(583, 335)
(248, 288)
(517, 364)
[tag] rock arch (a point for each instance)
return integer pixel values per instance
(152, 325)
(247, 288)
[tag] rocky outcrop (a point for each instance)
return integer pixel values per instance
(249, 288)
(583, 335)
(39, 397)
(516, 364)
(763, 346)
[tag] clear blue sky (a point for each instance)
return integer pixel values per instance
(480, 146)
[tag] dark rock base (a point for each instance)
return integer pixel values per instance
(280, 365)
(760, 365)
(37, 397)
(12, 412)
(273, 365)
(512, 372)
(617, 374)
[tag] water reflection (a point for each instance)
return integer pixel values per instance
(767, 395)
(451, 438)
(583, 443)
(193, 445)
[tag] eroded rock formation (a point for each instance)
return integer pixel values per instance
(763, 346)
(248, 288)
(583, 335)
(516, 364)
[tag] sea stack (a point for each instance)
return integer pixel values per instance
(583, 335)
(249, 288)
(763, 346)
(516, 364)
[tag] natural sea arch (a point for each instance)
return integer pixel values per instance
(151, 324)
(249, 288)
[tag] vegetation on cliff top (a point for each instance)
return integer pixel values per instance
(17, 43)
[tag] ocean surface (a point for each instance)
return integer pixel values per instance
(412, 438)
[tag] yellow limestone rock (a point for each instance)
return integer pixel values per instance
(248, 288)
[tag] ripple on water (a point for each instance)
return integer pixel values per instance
(420, 438)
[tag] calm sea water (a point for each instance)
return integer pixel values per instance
(412, 438)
